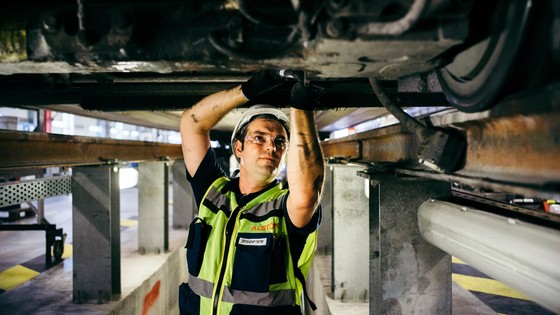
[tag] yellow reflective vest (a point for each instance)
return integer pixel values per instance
(239, 256)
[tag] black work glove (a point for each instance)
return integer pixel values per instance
(260, 83)
(306, 97)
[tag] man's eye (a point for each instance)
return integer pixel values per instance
(258, 139)
(280, 142)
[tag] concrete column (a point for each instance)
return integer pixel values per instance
(153, 207)
(96, 233)
(351, 234)
(184, 205)
(408, 275)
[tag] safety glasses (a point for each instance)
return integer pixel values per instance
(279, 142)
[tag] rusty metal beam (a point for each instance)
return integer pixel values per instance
(39, 150)
(344, 149)
(515, 146)
(392, 144)
(399, 147)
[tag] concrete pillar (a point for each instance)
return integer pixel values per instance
(351, 234)
(408, 275)
(96, 233)
(153, 207)
(184, 205)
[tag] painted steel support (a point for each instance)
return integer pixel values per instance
(350, 226)
(184, 205)
(522, 255)
(408, 275)
(153, 207)
(96, 236)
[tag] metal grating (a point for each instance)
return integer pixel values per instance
(14, 193)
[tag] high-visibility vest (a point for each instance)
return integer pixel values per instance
(241, 255)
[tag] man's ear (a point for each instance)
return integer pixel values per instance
(238, 148)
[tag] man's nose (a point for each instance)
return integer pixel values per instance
(270, 144)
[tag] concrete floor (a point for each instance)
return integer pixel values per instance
(50, 291)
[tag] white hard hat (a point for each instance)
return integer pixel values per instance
(254, 111)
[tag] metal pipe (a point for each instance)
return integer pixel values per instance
(416, 11)
(524, 256)
(395, 109)
(441, 149)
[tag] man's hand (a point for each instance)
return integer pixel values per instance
(260, 83)
(306, 97)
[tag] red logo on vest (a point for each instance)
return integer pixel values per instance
(267, 227)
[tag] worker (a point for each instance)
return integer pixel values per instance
(251, 245)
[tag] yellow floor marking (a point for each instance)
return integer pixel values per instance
(129, 223)
(456, 260)
(68, 249)
(483, 285)
(12, 277)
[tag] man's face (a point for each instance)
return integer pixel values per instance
(264, 149)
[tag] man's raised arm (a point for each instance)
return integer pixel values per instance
(305, 169)
(197, 121)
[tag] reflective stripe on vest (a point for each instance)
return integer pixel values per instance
(201, 287)
(273, 298)
(263, 208)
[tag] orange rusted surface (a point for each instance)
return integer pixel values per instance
(513, 148)
(30, 149)
(396, 148)
(344, 149)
